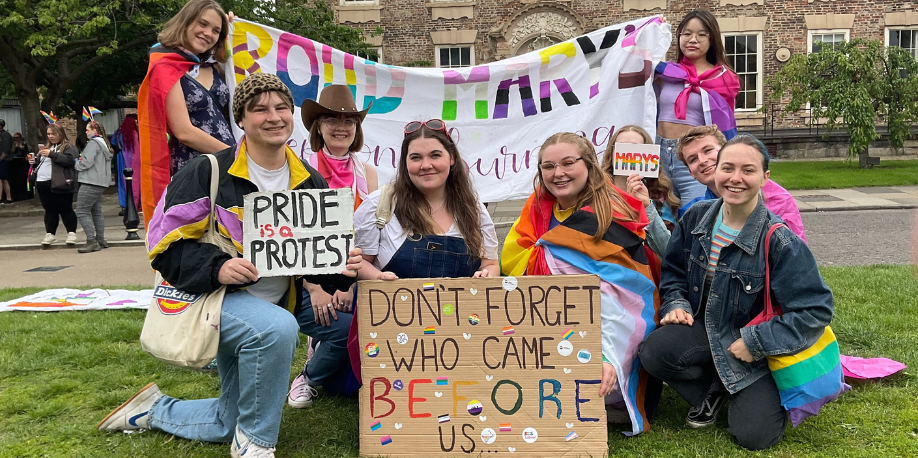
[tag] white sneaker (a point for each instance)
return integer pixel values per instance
(49, 239)
(301, 394)
(71, 238)
(243, 447)
(133, 414)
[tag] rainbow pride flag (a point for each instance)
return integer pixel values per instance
(810, 379)
(430, 331)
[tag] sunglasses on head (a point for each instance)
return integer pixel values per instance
(433, 124)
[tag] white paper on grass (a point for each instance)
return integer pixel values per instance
(299, 232)
(636, 158)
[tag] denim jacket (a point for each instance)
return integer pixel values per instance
(737, 290)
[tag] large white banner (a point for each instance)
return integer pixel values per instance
(498, 113)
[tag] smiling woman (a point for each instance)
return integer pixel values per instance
(182, 103)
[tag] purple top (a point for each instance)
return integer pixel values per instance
(694, 113)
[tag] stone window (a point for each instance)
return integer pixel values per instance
(359, 2)
(816, 39)
(744, 53)
(905, 38)
(455, 56)
(378, 58)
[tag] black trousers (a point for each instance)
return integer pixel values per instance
(57, 206)
(681, 356)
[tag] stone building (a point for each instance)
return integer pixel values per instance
(759, 34)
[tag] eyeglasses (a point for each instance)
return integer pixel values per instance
(433, 124)
(566, 164)
(702, 36)
(348, 123)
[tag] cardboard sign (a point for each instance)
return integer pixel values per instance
(455, 367)
(636, 158)
(301, 232)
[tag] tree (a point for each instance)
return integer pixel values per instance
(46, 46)
(858, 84)
(316, 22)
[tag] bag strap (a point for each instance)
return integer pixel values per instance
(386, 206)
(770, 309)
(214, 185)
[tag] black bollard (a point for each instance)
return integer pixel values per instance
(131, 220)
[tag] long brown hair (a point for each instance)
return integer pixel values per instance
(173, 33)
(715, 53)
(461, 198)
(661, 187)
(100, 129)
(598, 192)
(62, 136)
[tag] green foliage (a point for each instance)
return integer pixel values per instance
(858, 83)
(418, 63)
(316, 22)
(843, 174)
(62, 372)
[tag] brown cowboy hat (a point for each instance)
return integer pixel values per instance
(334, 100)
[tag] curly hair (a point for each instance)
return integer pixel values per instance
(598, 192)
(461, 198)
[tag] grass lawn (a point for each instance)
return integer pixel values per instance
(61, 373)
(843, 174)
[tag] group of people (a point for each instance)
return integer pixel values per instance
(11, 146)
(60, 170)
(663, 270)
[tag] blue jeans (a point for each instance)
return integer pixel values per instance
(330, 364)
(257, 341)
(685, 187)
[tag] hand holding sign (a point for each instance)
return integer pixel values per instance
(300, 232)
(635, 158)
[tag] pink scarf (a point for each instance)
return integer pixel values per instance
(342, 172)
(719, 79)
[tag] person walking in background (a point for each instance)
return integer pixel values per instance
(182, 103)
(698, 89)
(6, 153)
(56, 182)
(95, 175)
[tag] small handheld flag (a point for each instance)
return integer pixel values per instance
(86, 115)
(50, 117)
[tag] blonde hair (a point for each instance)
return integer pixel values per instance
(63, 140)
(173, 33)
(598, 192)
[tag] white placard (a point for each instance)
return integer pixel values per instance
(300, 232)
(636, 158)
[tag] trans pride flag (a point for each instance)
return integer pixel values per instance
(630, 301)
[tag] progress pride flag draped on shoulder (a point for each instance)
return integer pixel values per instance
(498, 113)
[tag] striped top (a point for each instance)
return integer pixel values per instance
(721, 236)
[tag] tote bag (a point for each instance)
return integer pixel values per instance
(811, 378)
(182, 328)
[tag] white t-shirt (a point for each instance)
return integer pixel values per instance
(270, 289)
(44, 166)
(383, 243)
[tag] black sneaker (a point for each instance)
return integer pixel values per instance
(706, 413)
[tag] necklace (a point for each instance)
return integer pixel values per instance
(434, 212)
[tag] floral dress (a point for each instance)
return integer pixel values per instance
(205, 110)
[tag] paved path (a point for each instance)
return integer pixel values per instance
(844, 226)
